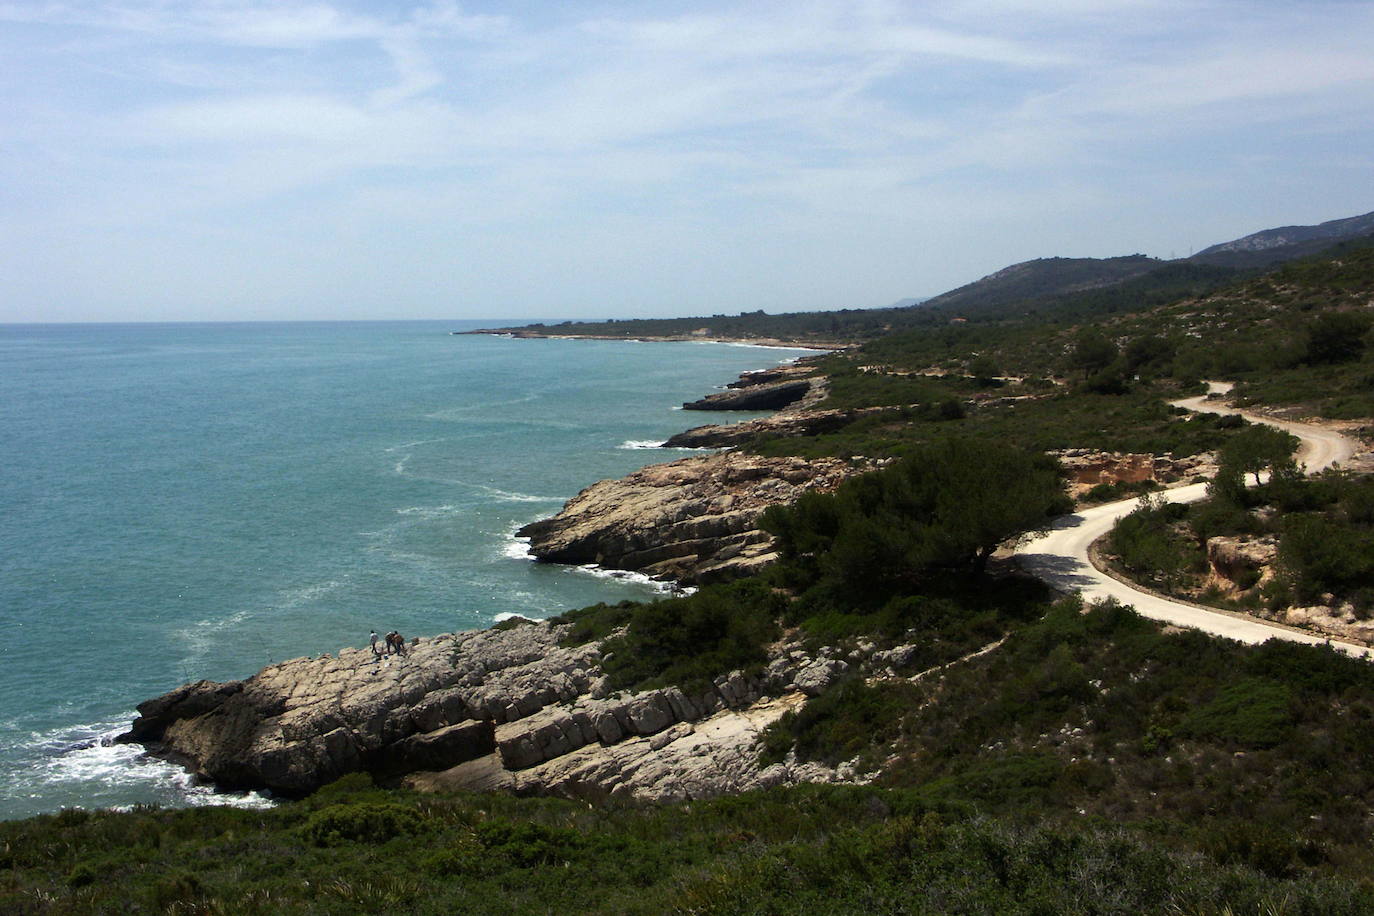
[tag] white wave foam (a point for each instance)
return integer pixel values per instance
(199, 637)
(85, 761)
(517, 548)
(754, 346)
(510, 497)
(640, 443)
(408, 445)
(661, 586)
(431, 512)
(511, 615)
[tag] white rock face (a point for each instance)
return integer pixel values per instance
(490, 709)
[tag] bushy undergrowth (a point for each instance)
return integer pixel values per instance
(1324, 527)
(1104, 713)
(803, 850)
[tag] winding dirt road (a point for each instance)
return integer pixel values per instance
(1060, 557)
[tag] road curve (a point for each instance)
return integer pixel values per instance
(1060, 557)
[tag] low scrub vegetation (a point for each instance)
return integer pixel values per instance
(802, 851)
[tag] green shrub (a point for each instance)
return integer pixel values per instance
(1147, 544)
(847, 719)
(1253, 712)
(360, 822)
(596, 622)
(523, 844)
(687, 641)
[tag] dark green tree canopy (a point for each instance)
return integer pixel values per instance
(947, 505)
(1092, 352)
(1336, 337)
(1258, 448)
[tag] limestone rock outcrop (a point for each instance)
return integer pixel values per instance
(504, 709)
(1242, 559)
(788, 372)
(693, 520)
(755, 397)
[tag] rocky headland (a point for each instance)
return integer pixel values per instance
(793, 386)
(693, 520)
(511, 708)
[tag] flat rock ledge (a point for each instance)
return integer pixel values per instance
(498, 709)
(694, 520)
(786, 425)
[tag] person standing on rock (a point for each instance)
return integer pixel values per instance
(373, 643)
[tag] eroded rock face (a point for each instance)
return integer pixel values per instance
(490, 709)
(693, 520)
(296, 725)
(1086, 468)
(753, 377)
(755, 397)
(1242, 558)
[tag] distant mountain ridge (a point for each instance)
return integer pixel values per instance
(1043, 277)
(1046, 283)
(1268, 239)
(1067, 289)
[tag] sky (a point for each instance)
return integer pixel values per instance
(165, 161)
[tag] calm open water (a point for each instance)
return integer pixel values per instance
(187, 501)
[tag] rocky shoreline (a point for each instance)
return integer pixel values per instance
(693, 520)
(512, 707)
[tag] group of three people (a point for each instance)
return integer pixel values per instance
(395, 643)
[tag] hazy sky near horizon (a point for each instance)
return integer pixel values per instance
(240, 160)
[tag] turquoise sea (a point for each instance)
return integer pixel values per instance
(185, 501)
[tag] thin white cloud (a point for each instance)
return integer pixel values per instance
(1010, 128)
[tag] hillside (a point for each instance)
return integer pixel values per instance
(1042, 277)
(1007, 750)
(1056, 287)
(1272, 246)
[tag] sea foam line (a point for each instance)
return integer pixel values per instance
(74, 757)
(661, 586)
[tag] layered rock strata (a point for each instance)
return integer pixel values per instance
(751, 377)
(693, 520)
(782, 426)
(504, 709)
(755, 397)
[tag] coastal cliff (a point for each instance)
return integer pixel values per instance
(694, 520)
(510, 708)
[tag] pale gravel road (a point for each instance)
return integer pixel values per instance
(1060, 557)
